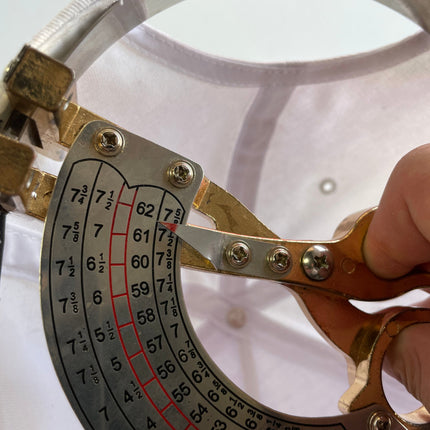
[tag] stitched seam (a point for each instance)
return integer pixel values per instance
(272, 75)
(259, 70)
(187, 52)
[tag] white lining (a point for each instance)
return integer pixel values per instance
(232, 72)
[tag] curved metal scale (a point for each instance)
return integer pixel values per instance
(115, 319)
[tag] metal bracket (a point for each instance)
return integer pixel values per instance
(35, 80)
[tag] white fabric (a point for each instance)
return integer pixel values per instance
(272, 135)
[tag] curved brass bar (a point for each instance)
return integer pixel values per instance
(367, 384)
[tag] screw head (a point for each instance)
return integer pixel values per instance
(380, 421)
(109, 142)
(238, 254)
(180, 174)
(279, 259)
(317, 262)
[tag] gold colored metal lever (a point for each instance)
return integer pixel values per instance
(18, 178)
(37, 85)
(363, 338)
(15, 161)
(36, 195)
(72, 120)
(228, 214)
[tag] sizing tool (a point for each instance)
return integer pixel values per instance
(116, 236)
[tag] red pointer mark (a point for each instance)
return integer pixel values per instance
(170, 226)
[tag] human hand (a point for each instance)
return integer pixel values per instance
(397, 241)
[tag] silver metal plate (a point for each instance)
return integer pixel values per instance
(114, 315)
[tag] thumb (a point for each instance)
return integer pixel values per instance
(407, 361)
(398, 239)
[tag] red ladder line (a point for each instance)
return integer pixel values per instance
(138, 339)
(166, 407)
(128, 300)
(125, 204)
(119, 295)
(134, 355)
(124, 325)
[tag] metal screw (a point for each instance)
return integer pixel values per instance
(317, 262)
(109, 142)
(180, 174)
(279, 259)
(238, 254)
(379, 421)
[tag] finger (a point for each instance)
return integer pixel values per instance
(407, 361)
(398, 238)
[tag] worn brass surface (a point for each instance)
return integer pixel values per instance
(228, 214)
(368, 351)
(71, 122)
(36, 80)
(18, 178)
(15, 162)
(349, 276)
(37, 194)
(363, 338)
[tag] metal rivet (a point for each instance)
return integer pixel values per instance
(279, 259)
(380, 421)
(109, 142)
(236, 317)
(238, 254)
(317, 262)
(327, 186)
(180, 174)
(349, 266)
